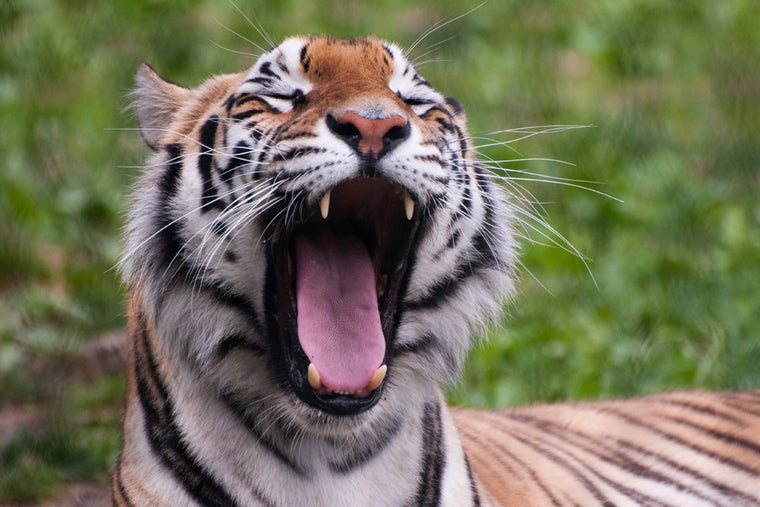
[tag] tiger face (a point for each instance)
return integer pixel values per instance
(313, 239)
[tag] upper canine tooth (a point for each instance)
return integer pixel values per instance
(377, 378)
(315, 381)
(408, 205)
(324, 205)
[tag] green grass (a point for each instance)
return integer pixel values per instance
(670, 91)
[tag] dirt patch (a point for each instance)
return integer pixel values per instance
(16, 418)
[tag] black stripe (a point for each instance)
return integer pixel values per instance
(256, 135)
(739, 405)
(465, 205)
(304, 170)
(423, 344)
(473, 486)
(247, 113)
(420, 80)
(305, 61)
(381, 439)
(746, 445)
(702, 409)
(162, 431)
(389, 52)
(427, 345)
(300, 152)
(546, 450)
(228, 297)
(462, 139)
(266, 81)
(252, 426)
(436, 295)
(123, 497)
(498, 453)
(266, 148)
(678, 440)
(450, 244)
(458, 161)
(582, 470)
(435, 109)
(445, 125)
(230, 256)
(241, 155)
(210, 198)
(238, 341)
(606, 453)
(722, 488)
(242, 99)
(219, 227)
(297, 135)
(267, 71)
(433, 457)
(587, 484)
(281, 64)
(483, 253)
(168, 229)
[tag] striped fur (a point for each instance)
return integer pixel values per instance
(220, 409)
(677, 449)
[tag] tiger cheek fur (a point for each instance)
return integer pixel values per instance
(311, 249)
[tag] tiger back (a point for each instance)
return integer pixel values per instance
(310, 251)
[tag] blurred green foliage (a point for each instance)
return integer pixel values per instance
(671, 91)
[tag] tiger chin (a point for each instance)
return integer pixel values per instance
(310, 250)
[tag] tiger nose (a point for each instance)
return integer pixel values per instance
(372, 138)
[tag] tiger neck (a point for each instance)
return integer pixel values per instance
(192, 433)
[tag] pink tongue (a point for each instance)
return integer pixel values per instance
(338, 319)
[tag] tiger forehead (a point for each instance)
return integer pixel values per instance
(331, 60)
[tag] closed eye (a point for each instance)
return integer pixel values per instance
(416, 102)
(297, 97)
(419, 105)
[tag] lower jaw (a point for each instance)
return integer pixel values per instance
(337, 404)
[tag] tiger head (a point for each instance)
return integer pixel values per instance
(313, 239)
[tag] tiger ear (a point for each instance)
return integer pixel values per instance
(456, 109)
(156, 102)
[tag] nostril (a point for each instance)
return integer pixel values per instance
(396, 133)
(345, 130)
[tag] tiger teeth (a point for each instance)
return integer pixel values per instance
(315, 381)
(377, 378)
(324, 205)
(408, 205)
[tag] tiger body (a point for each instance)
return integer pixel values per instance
(310, 251)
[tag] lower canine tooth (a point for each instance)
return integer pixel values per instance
(315, 381)
(377, 378)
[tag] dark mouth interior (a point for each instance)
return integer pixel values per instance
(370, 210)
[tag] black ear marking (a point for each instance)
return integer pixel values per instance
(305, 59)
(455, 106)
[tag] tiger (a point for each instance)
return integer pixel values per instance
(311, 251)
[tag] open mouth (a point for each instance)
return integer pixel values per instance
(333, 292)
